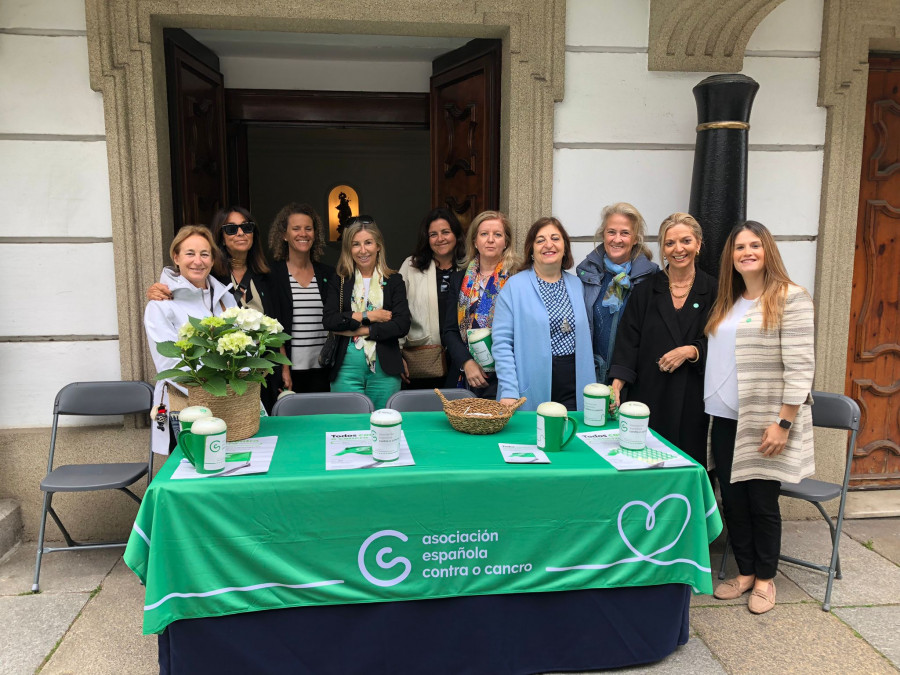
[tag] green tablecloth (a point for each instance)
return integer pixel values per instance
(459, 522)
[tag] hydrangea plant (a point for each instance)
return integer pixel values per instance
(234, 349)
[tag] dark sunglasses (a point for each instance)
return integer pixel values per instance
(246, 227)
(362, 220)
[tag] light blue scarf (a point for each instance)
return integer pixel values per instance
(621, 282)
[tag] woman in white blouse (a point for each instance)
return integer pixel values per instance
(439, 251)
(759, 373)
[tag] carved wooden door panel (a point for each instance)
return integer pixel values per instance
(873, 359)
(196, 94)
(465, 129)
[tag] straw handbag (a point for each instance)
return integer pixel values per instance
(425, 361)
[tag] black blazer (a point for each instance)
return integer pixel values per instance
(280, 285)
(457, 350)
(262, 283)
(386, 334)
(649, 328)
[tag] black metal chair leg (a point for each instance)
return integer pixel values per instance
(40, 549)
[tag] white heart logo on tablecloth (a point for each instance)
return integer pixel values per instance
(651, 523)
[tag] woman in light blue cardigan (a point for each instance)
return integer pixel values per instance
(542, 337)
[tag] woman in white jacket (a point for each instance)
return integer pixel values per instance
(439, 250)
(194, 293)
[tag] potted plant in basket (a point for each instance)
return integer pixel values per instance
(223, 361)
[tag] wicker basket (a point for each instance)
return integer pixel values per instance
(489, 418)
(241, 413)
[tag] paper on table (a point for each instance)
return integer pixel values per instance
(514, 453)
(260, 450)
(655, 456)
(353, 450)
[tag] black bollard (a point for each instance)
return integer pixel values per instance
(719, 182)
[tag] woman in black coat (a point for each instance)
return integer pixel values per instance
(660, 348)
(366, 307)
(299, 282)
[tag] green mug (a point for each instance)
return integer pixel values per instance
(552, 420)
(190, 415)
(204, 444)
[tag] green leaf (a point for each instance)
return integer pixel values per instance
(207, 373)
(239, 386)
(170, 374)
(197, 352)
(201, 342)
(169, 349)
(278, 357)
(216, 386)
(254, 362)
(195, 322)
(215, 360)
(254, 377)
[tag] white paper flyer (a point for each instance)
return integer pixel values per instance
(253, 455)
(353, 450)
(656, 455)
(514, 453)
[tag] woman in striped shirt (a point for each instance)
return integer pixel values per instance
(299, 280)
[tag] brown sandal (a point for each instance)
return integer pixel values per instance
(732, 589)
(762, 601)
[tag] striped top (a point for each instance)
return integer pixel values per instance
(775, 367)
(307, 333)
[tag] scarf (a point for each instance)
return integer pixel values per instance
(360, 303)
(474, 305)
(620, 284)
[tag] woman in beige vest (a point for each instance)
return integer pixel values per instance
(759, 373)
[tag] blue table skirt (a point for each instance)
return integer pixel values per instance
(512, 634)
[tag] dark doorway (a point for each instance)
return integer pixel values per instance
(402, 152)
(388, 169)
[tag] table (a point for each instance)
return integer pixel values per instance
(461, 524)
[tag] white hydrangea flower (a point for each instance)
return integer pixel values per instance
(231, 312)
(248, 319)
(186, 332)
(235, 343)
(271, 326)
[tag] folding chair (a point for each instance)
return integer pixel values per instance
(322, 403)
(829, 411)
(424, 400)
(92, 398)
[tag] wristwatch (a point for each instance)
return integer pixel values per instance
(784, 424)
(365, 319)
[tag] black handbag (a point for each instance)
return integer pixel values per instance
(329, 349)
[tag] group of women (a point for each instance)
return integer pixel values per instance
(738, 351)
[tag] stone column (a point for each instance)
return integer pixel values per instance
(719, 181)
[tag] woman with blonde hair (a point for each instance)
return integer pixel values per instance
(609, 273)
(758, 380)
(490, 260)
(660, 345)
(195, 292)
(366, 307)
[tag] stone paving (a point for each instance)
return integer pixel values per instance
(87, 617)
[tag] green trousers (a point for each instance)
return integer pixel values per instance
(355, 375)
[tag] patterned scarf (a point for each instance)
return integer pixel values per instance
(359, 303)
(620, 284)
(475, 305)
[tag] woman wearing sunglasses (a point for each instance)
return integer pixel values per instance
(241, 263)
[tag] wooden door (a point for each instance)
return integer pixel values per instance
(873, 359)
(196, 97)
(465, 129)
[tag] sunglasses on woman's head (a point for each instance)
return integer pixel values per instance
(362, 220)
(246, 227)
